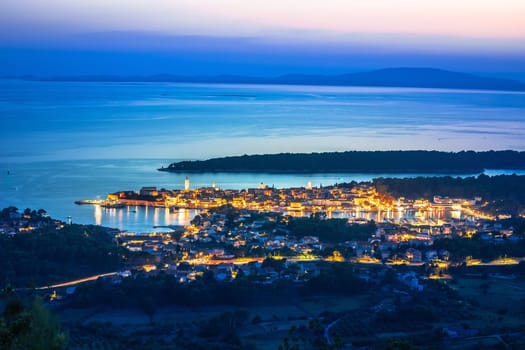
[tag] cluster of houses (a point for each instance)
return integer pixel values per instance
(12, 221)
(231, 241)
(356, 201)
(237, 229)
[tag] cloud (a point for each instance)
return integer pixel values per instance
(321, 19)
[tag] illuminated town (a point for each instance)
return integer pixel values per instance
(233, 228)
(356, 203)
(348, 242)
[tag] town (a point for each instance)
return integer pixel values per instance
(237, 227)
(396, 264)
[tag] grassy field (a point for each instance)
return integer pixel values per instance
(315, 306)
(301, 308)
(134, 317)
(272, 326)
(475, 343)
(494, 307)
(277, 320)
(499, 302)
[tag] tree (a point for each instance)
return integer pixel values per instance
(256, 319)
(148, 305)
(30, 328)
(399, 345)
(390, 276)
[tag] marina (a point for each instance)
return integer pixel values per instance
(358, 204)
(56, 185)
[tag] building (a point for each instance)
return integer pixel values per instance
(149, 191)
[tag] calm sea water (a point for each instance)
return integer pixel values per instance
(51, 132)
(66, 120)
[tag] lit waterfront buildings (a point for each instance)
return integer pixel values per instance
(242, 226)
(354, 202)
(230, 236)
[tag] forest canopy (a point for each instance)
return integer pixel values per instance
(359, 162)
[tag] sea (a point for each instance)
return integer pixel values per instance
(65, 141)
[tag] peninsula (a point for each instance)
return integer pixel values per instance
(465, 162)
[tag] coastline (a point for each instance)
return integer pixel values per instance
(335, 171)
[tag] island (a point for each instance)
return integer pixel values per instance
(465, 162)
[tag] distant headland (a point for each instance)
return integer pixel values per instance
(389, 77)
(465, 162)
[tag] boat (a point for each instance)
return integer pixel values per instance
(113, 204)
(89, 201)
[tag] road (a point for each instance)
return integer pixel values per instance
(327, 332)
(75, 282)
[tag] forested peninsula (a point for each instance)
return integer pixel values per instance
(464, 162)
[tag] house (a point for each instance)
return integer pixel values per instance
(149, 191)
(411, 281)
(413, 255)
(223, 273)
(71, 290)
(125, 273)
(444, 254)
(431, 255)
(13, 215)
(459, 332)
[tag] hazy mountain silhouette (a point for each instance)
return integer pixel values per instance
(389, 77)
(409, 77)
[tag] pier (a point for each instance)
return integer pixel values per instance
(171, 227)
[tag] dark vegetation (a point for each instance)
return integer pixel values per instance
(476, 247)
(165, 289)
(30, 326)
(152, 293)
(220, 332)
(330, 230)
(359, 162)
(48, 255)
(408, 312)
(502, 193)
(389, 315)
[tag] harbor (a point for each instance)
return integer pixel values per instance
(357, 203)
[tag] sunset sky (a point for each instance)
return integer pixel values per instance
(50, 37)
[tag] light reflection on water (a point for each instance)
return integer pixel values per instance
(427, 216)
(140, 219)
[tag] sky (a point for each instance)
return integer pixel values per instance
(263, 38)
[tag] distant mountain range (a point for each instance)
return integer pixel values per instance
(389, 77)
